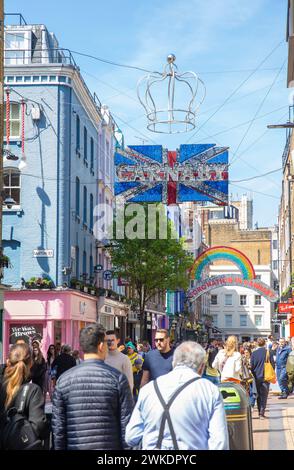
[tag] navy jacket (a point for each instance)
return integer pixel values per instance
(282, 356)
(257, 361)
(92, 405)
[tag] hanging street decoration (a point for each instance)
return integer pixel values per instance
(247, 278)
(171, 99)
(206, 285)
(225, 253)
(194, 172)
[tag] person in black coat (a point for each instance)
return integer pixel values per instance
(16, 375)
(64, 361)
(92, 402)
(257, 360)
(38, 369)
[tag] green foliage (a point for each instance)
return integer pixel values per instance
(151, 265)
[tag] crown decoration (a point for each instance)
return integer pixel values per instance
(173, 119)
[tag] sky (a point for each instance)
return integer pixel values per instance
(238, 48)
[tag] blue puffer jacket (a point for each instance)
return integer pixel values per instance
(92, 405)
(282, 356)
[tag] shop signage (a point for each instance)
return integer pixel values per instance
(98, 268)
(214, 282)
(27, 332)
(151, 173)
(285, 308)
(43, 253)
(122, 282)
(107, 275)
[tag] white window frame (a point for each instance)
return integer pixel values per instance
(11, 136)
(242, 298)
(10, 171)
(25, 52)
(227, 316)
(255, 300)
(213, 296)
(258, 316)
(226, 297)
(246, 322)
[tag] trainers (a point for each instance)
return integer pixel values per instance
(283, 397)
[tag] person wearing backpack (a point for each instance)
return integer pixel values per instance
(23, 423)
(180, 410)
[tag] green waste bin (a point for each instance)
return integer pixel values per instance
(238, 413)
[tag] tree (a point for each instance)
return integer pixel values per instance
(150, 265)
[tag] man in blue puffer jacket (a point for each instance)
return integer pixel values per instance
(92, 402)
(283, 352)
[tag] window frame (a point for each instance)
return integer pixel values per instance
(11, 120)
(241, 300)
(227, 316)
(9, 171)
(215, 297)
(226, 304)
(258, 316)
(246, 322)
(255, 300)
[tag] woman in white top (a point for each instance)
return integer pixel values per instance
(228, 361)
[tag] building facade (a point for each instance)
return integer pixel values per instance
(63, 139)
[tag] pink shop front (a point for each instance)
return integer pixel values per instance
(50, 315)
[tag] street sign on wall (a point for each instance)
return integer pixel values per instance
(43, 253)
(107, 275)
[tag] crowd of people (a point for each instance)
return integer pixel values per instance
(128, 395)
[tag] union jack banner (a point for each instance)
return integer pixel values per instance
(150, 173)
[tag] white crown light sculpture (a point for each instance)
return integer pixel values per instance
(174, 118)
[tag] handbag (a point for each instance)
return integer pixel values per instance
(269, 373)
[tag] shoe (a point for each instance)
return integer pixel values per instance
(282, 397)
(262, 417)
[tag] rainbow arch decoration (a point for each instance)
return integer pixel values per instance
(224, 253)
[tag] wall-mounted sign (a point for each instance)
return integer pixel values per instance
(27, 332)
(98, 268)
(151, 173)
(286, 308)
(107, 275)
(211, 283)
(43, 253)
(83, 307)
(73, 252)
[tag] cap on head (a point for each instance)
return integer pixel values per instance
(130, 345)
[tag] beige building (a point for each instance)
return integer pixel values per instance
(237, 310)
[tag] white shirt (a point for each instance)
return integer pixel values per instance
(197, 414)
(229, 367)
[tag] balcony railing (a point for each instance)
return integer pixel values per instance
(39, 56)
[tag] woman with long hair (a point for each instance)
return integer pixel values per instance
(38, 369)
(50, 375)
(16, 375)
(228, 361)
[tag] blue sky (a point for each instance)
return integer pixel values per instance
(222, 40)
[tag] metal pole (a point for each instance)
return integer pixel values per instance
(1, 160)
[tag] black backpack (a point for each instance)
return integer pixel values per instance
(17, 432)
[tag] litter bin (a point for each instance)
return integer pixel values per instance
(238, 413)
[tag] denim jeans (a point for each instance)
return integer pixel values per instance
(283, 380)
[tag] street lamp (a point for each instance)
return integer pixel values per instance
(286, 125)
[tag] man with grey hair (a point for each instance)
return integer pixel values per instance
(191, 408)
(64, 361)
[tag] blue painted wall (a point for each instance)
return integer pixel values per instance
(46, 218)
